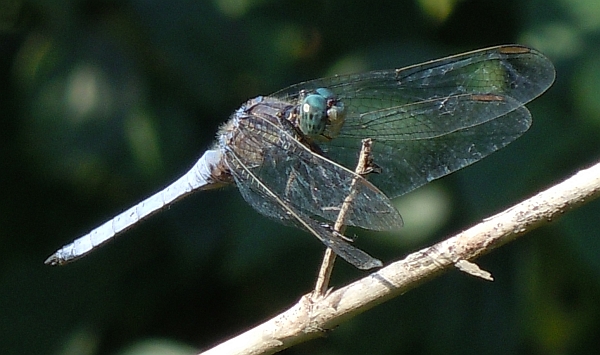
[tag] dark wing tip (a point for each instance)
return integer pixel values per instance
(371, 264)
(514, 49)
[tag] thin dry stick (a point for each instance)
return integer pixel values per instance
(364, 162)
(307, 319)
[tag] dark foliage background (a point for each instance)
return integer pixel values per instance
(104, 102)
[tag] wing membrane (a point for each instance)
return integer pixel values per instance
(284, 211)
(312, 185)
(434, 118)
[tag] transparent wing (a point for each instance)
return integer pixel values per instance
(267, 201)
(433, 118)
(267, 161)
(420, 142)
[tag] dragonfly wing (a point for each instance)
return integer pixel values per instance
(269, 203)
(268, 157)
(433, 118)
(420, 142)
(510, 70)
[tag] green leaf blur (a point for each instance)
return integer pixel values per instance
(105, 102)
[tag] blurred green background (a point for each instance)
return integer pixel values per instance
(105, 102)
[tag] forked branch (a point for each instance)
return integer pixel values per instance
(311, 318)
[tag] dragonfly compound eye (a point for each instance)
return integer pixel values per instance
(336, 113)
(326, 93)
(313, 115)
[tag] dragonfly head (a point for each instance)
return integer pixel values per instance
(313, 115)
(321, 114)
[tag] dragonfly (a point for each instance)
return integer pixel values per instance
(291, 154)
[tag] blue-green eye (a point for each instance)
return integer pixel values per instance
(326, 93)
(313, 115)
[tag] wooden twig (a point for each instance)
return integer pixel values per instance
(308, 319)
(364, 162)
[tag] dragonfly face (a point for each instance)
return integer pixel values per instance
(321, 115)
(313, 115)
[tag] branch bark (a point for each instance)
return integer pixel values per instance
(312, 317)
(364, 163)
